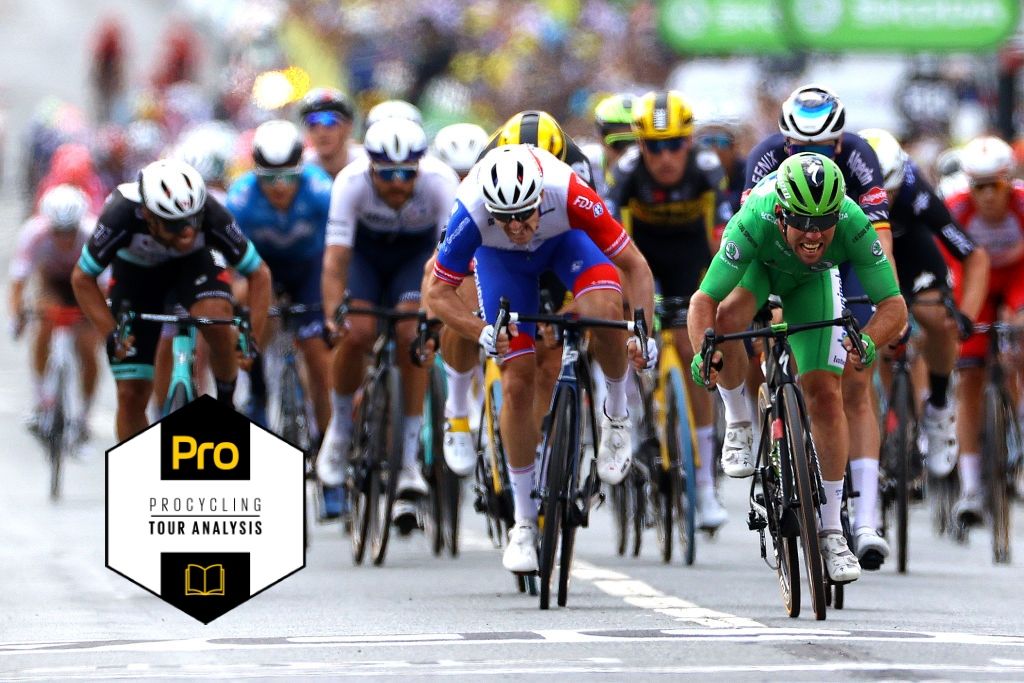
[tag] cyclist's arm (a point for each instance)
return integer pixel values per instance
(92, 301)
(259, 299)
(700, 316)
(17, 301)
(878, 277)
(334, 278)
(462, 237)
(346, 195)
(637, 280)
(888, 320)
(974, 280)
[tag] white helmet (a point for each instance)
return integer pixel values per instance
(395, 141)
(812, 114)
(277, 145)
(986, 157)
(891, 156)
(64, 207)
(459, 145)
(172, 190)
(399, 109)
(511, 179)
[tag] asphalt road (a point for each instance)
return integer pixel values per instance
(63, 615)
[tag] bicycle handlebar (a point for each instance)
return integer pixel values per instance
(246, 344)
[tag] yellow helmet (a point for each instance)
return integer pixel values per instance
(661, 115)
(537, 128)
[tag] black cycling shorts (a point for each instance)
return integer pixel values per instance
(677, 260)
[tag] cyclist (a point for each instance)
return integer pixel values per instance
(387, 211)
(327, 115)
(460, 145)
(461, 354)
(812, 119)
(991, 211)
(166, 240)
(48, 246)
(281, 205)
(669, 194)
(918, 219)
(719, 132)
(613, 117)
(804, 202)
(516, 213)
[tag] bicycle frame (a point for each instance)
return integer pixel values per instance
(183, 349)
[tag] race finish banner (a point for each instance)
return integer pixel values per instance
(774, 26)
(205, 509)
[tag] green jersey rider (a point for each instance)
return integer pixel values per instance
(789, 238)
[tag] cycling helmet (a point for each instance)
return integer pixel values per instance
(63, 207)
(662, 115)
(810, 186)
(326, 99)
(891, 156)
(986, 157)
(511, 179)
(459, 145)
(537, 128)
(812, 114)
(399, 109)
(948, 163)
(614, 118)
(277, 145)
(395, 141)
(173, 191)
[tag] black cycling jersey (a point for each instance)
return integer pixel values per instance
(571, 155)
(856, 159)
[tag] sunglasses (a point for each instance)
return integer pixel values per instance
(392, 173)
(986, 183)
(289, 176)
(517, 216)
(717, 140)
(828, 150)
(669, 145)
(810, 223)
(327, 119)
(181, 224)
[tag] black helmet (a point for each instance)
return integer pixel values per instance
(326, 99)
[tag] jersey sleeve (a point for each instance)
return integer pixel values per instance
(22, 264)
(740, 243)
(587, 212)
(929, 210)
(113, 231)
(864, 180)
(224, 235)
(864, 250)
(341, 219)
(462, 237)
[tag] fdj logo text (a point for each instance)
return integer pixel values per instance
(185, 448)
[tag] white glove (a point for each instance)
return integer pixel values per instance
(489, 340)
(652, 351)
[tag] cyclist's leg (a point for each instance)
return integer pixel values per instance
(40, 349)
(87, 342)
(302, 284)
(549, 359)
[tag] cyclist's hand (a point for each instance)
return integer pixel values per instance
(853, 357)
(547, 335)
(496, 345)
(636, 355)
(697, 369)
(334, 332)
(17, 325)
(119, 351)
(422, 355)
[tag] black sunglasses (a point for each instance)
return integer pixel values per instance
(519, 216)
(810, 223)
(179, 225)
(392, 173)
(669, 145)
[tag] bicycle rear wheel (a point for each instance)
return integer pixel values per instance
(900, 452)
(55, 440)
(387, 440)
(448, 492)
(997, 415)
(570, 502)
(683, 476)
(556, 455)
(365, 483)
(795, 440)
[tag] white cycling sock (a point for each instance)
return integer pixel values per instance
(970, 473)
(832, 506)
(706, 451)
(737, 408)
(522, 488)
(865, 483)
(341, 415)
(413, 425)
(459, 383)
(615, 401)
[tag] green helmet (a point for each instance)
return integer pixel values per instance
(614, 118)
(810, 188)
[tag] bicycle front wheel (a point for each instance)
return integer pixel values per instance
(796, 444)
(684, 474)
(901, 449)
(556, 455)
(998, 413)
(387, 441)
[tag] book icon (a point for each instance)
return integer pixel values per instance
(204, 580)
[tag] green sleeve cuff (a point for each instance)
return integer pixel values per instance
(250, 261)
(88, 264)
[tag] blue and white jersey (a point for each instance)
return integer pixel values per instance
(296, 234)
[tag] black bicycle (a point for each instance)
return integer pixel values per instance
(786, 465)
(565, 493)
(376, 450)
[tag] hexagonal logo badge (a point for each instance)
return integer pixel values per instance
(205, 509)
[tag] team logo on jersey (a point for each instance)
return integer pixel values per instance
(876, 248)
(598, 210)
(101, 234)
(732, 251)
(583, 203)
(873, 197)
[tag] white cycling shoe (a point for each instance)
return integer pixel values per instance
(459, 452)
(939, 425)
(737, 450)
(710, 513)
(871, 548)
(615, 453)
(331, 460)
(841, 564)
(521, 553)
(411, 482)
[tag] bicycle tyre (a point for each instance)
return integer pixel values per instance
(294, 426)
(996, 455)
(620, 510)
(555, 456)
(795, 440)
(56, 436)
(449, 492)
(569, 522)
(685, 495)
(431, 450)
(787, 557)
(389, 455)
(365, 483)
(639, 501)
(904, 437)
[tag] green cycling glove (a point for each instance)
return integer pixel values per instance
(869, 349)
(695, 369)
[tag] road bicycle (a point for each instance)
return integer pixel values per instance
(565, 492)
(787, 506)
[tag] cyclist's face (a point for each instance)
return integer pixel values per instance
(520, 232)
(991, 197)
(280, 190)
(395, 188)
(328, 135)
(179, 241)
(809, 247)
(665, 159)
